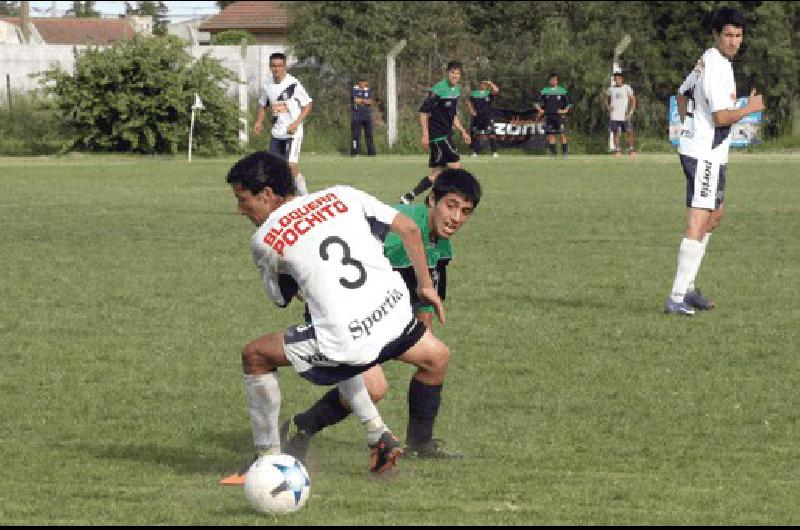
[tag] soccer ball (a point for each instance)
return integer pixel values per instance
(277, 484)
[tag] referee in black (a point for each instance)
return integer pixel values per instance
(361, 104)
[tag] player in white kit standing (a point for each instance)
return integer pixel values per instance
(290, 104)
(326, 248)
(707, 107)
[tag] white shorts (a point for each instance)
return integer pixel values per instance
(705, 182)
(288, 148)
(302, 350)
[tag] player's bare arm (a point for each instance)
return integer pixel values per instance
(681, 100)
(464, 133)
(258, 125)
(411, 236)
(423, 123)
(723, 118)
(292, 128)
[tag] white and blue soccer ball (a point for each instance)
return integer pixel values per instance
(277, 484)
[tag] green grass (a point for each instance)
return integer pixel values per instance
(127, 292)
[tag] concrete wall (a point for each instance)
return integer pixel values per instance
(20, 61)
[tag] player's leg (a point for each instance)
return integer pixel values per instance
(355, 129)
(629, 134)
(439, 157)
(564, 142)
(260, 360)
(293, 158)
(368, 137)
(493, 144)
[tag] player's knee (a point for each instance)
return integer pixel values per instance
(378, 390)
(252, 360)
(440, 359)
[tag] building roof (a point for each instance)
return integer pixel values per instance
(251, 16)
(69, 30)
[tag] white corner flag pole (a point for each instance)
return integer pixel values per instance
(198, 105)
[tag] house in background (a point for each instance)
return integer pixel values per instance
(267, 21)
(71, 30)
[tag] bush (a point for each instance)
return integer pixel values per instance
(233, 37)
(31, 127)
(136, 96)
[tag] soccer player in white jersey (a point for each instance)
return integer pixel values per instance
(707, 107)
(326, 248)
(290, 104)
(620, 102)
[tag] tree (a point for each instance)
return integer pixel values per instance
(135, 96)
(83, 10)
(9, 9)
(157, 10)
(223, 4)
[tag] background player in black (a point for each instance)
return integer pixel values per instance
(554, 102)
(481, 122)
(361, 104)
(438, 114)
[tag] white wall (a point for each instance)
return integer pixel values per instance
(19, 61)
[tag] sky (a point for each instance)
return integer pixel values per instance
(178, 11)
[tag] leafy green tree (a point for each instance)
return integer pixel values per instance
(157, 10)
(9, 9)
(83, 10)
(136, 96)
(223, 4)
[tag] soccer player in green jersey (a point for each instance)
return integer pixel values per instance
(438, 115)
(554, 102)
(456, 194)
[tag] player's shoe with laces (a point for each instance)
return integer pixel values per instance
(696, 299)
(678, 308)
(294, 441)
(384, 454)
(237, 479)
(433, 450)
(408, 198)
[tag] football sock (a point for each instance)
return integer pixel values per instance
(690, 254)
(423, 406)
(493, 145)
(564, 149)
(328, 410)
(552, 148)
(704, 243)
(300, 184)
(354, 392)
(423, 185)
(264, 405)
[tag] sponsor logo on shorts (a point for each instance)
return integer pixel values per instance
(362, 327)
(705, 184)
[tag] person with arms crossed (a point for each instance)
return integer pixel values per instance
(554, 103)
(361, 104)
(456, 193)
(707, 107)
(325, 247)
(437, 117)
(620, 102)
(481, 121)
(290, 104)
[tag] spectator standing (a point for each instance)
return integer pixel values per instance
(481, 121)
(620, 102)
(361, 103)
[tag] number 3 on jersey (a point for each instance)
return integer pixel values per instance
(347, 260)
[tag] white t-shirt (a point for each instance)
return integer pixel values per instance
(286, 100)
(619, 101)
(331, 244)
(709, 88)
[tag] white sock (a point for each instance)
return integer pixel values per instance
(355, 394)
(690, 254)
(264, 405)
(300, 184)
(704, 243)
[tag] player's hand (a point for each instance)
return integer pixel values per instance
(426, 142)
(292, 128)
(431, 296)
(257, 128)
(465, 136)
(756, 102)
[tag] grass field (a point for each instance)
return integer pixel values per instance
(127, 292)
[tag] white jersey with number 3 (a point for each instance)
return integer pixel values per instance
(709, 88)
(331, 244)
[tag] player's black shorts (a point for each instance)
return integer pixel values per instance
(442, 153)
(482, 125)
(553, 124)
(620, 125)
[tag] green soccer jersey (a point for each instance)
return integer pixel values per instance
(553, 99)
(436, 251)
(441, 107)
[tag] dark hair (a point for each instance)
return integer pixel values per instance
(459, 181)
(552, 74)
(454, 65)
(260, 170)
(278, 55)
(727, 16)
(618, 74)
